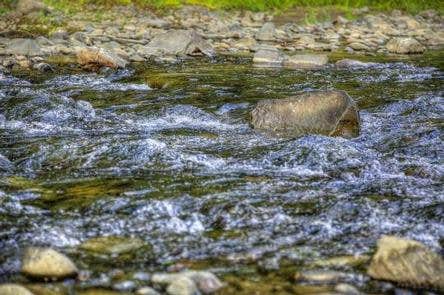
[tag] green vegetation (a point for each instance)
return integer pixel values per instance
(255, 5)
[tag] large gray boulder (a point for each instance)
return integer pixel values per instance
(331, 113)
(179, 43)
(20, 46)
(404, 45)
(47, 263)
(407, 263)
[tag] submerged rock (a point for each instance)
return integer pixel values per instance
(112, 245)
(268, 57)
(179, 42)
(331, 113)
(14, 289)
(408, 263)
(5, 164)
(305, 61)
(207, 282)
(404, 45)
(351, 63)
(47, 263)
(93, 58)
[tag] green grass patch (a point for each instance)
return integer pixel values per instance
(264, 5)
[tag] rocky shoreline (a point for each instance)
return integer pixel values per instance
(127, 34)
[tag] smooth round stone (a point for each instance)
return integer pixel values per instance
(47, 263)
(14, 289)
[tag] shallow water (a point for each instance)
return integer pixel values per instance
(177, 166)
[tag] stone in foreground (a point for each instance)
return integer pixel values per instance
(305, 61)
(93, 58)
(331, 113)
(182, 286)
(47, 263)
(206, 282)
(408, 263)
(404, 45)
(14, 289)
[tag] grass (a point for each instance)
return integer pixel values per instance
(412, 6)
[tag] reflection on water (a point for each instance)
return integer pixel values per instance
(84, 156)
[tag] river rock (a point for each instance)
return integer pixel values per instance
(407, 263)
(206, 282)
(351, 63)
(112, 245)
(14, 289)
(47, 263)
(93, 58)
(268, 57)
(29, 6)
(178, 43)
(5, 164)
(266, 32)
(305, 61)
(27, 47)
(331, 113)
(404, 45)
(182, 286)
(147, 291)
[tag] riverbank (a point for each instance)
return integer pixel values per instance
(35, 33)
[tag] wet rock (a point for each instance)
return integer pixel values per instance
(182, 286)
(306, 61)
(320, 276)
(404, 45)
(207, 282)
(266, 32)
(268, 57)
(346, 289)
(27, 47)
(147, 291)
(125, 286)
(29, 6)
(179, 43)
(5, 164)
(14, 289)
(93, 58)
(408, 263)
(47, 263)
(331, 113)
(43, 67)
(112, 245)
(351, 63)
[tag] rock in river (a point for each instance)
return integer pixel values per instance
(47, 263)
(408, 263)
(331, 113)
(305, 61)
(268, 57)
(93, 58)
(179, 42)
(404, 45)
(14, 289)
(206, 281)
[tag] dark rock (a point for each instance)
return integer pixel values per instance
(331, 113)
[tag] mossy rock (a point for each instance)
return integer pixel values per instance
(112, 245)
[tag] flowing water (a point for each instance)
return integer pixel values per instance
(176, 170)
